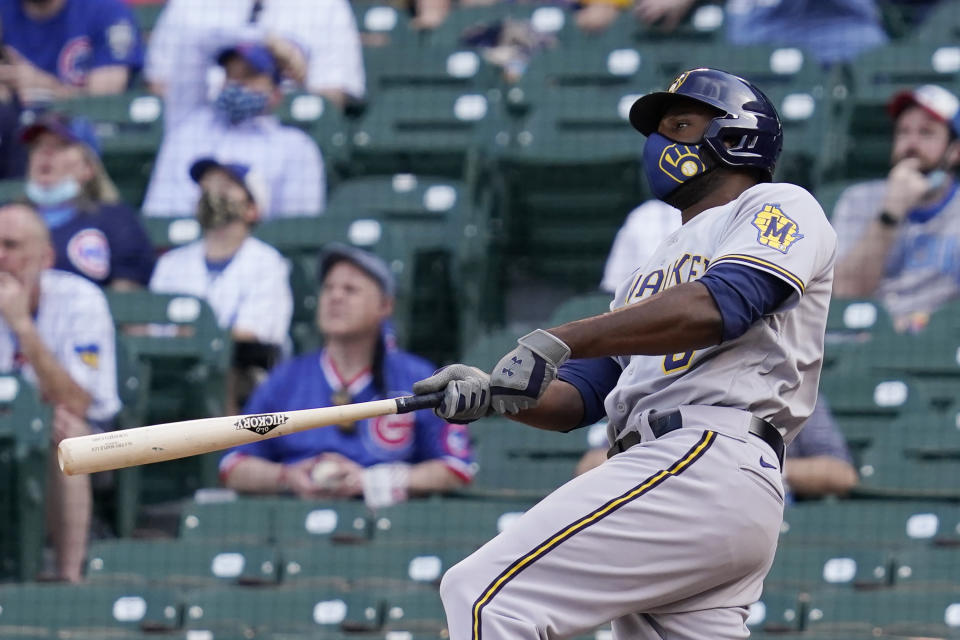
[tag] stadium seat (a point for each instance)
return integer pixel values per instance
(575, 158)
(806, 568)
(297, 521)
(465, 20)
(877, 524)
(325, 123)
(415, 611)
(88, 611)
(776, 612)
(885, 471)
(384, 25)
(914, 613)
(443, 131)
(181, 563)
(24, 451)
(933, 351)
(241, 520)
(927, 569)
(187, 376)
(11, 189)
(129, 127)
(295, 611)
(865, 403)
(420, 69)
(444, 520)
(829, 191)
(852, 326)
(371, 566)
(582, 306)
(942, 25)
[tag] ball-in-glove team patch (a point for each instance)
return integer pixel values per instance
(775, 229)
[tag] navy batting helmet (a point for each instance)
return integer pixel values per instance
(749, 120)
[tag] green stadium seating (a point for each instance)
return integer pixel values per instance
(865, 403)
(181, 563)
(188, 374)
(87, 611)
(929, 435)
(24, 451)
(828, 193)
(776, 612)
(147, 15)
(242, 520)
(909, 612)
(443, 131)
(877, 524)
(297, 611)
(325, 123)
(927, 569)
(884, 471)
(415, 611)
(444, 520)
(371, 566)
(129, 128)
(703, 25)
(487, 349)
(579, 307)
(466, 20)
(575, 158)
(384, 25)
(298, 521)
(934, 351)
(11, 189)
(425, 68)
(941, 25)
(806, 568)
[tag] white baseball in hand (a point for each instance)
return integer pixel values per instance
(324, 474)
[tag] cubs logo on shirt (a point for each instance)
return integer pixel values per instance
(456, 439)
(775, 229)
(74, 60)
(393, 431)
(89, 251)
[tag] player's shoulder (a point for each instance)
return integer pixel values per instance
(789, 200)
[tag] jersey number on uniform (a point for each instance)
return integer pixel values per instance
(676, 361)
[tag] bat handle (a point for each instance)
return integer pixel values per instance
(406, 404)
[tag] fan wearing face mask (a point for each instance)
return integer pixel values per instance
(94, 234)
(244, 280)
(238, 123)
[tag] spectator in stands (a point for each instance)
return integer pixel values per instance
(383, 459)
(323, 31)
(644, 229)
(833, 31)
(239, 127)
(899, 238)
(55, 49)
(818, 461)
(94, 234)
(56, 331)
(13, 155)
(245, 280)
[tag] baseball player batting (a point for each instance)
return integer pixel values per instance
(706, 365)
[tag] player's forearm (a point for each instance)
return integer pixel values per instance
(256, 475)
(56, 385)
(819, 476)
(678, 319)
(560, 408)
(108, 80)
(860, 272)
(432, 476)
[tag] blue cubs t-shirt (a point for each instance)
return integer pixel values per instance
(309, 381)
(84, 35)
(101, 245)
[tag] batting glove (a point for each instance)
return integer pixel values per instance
(466, 392)
(521, 376)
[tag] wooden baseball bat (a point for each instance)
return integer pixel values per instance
(172, 440)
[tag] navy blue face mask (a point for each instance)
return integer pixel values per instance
(238, 103)
(669, 164)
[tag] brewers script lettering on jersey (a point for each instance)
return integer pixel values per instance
(778, 228)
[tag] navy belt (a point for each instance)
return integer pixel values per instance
(663, 423)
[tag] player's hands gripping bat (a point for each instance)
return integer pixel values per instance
(466, 392)
(521, 376)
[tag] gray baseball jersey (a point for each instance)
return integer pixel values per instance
(773, 369)
(673, 537)
(922, 269)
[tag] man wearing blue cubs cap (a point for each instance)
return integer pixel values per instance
(239, 124)
(899, 237)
